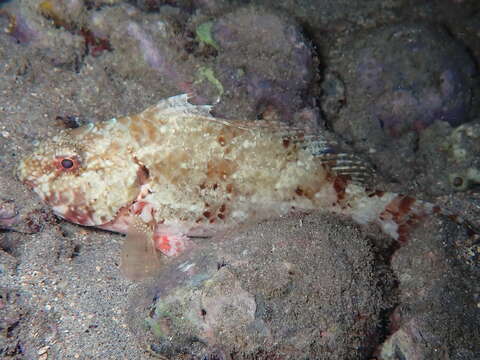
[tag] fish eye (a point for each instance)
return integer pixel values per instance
(67, 163)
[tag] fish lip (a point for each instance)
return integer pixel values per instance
(116, 224)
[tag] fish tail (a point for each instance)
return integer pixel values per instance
(350, 175)
(402, 213)
(398, 214)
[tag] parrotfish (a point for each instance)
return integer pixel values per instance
(174, 171)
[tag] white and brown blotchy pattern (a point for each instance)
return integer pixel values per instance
(176, 171)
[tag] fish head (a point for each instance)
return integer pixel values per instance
(85, 176)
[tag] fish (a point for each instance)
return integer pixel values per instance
(175, 172)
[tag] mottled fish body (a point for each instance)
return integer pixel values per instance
(174, 171)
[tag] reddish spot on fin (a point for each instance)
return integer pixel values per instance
(138, 206)
(340, 184)
(400, 206)
(163, 244)
(402, 212)
(170, 245)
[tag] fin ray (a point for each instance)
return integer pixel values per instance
(179, 104)
(340, 164)
(343, 164)
(139, 259)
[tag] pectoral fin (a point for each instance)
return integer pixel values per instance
(139, 258)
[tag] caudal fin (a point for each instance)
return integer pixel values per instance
(396, 214)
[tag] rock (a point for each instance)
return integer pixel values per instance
(262, 65)
(448, 158)
(405, 77)
(281, 288)
(438, 297)
(400, 79)
(463, 154)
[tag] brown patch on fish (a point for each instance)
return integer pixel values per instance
(142, 174)
(170, 169)
(221, 140)
(136, 129)
(340, 184)
(220, 169)
(151, 131)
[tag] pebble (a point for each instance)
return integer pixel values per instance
(43, 350)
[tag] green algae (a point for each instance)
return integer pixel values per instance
(207, 74)
(204, 34)
(155, 327)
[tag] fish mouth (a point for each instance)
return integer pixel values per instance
(75, 215)
(125, 216)
(121, 222)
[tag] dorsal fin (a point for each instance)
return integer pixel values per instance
(341, 164)
(179, 104)
(349, 166)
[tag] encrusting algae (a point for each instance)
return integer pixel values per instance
(174, 172)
